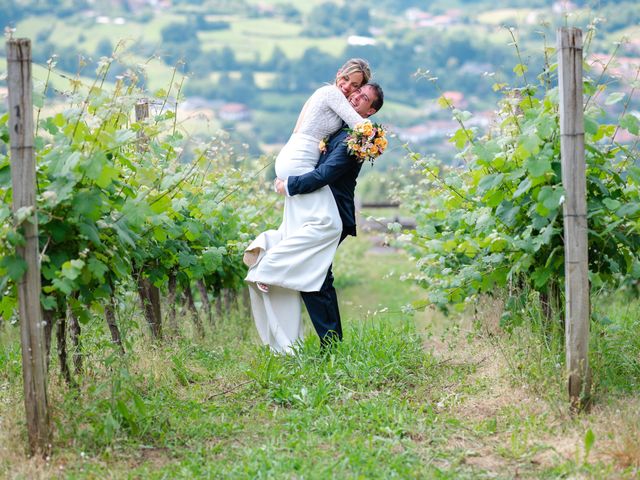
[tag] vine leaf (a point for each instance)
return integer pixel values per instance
(538, 167)
(614, 98)
(520, 69)
(14, 265)
(630, 123)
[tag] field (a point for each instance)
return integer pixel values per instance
(134, 215)
(405, 396)
(247, 37)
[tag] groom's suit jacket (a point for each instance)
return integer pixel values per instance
(337, 169)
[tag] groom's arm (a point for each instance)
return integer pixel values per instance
(335, 166)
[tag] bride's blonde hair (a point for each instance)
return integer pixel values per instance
(354, 65)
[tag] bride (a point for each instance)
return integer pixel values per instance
(296, 257)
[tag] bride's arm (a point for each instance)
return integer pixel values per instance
(337, 102)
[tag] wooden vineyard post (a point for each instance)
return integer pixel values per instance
(149, 293)
(575, 215)
(142, 110)
(23, 180)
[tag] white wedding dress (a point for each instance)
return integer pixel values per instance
(296, 257)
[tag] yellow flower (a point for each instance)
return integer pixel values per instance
(367, 128)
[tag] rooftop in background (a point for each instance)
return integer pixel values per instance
(360, 40)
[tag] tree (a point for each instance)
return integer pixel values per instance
(227, 59)
(241, 90)
(278, 60)
(104, 48)
(176, 32)
(328, 19)
(289, 12)
(175, 52)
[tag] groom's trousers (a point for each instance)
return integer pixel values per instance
(323, 309)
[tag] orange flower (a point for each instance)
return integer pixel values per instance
(367, 128)
(322, 146)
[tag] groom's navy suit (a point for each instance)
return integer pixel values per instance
(339, 170)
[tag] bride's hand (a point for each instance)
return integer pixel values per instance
(278, 186)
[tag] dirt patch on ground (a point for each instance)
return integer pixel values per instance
(506, 428)
(616, 443)
(155, 457)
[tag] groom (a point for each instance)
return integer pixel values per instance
(339, 170)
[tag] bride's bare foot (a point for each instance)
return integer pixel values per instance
(263, 287)
(250, 257)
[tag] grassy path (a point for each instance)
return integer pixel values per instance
(402, 397)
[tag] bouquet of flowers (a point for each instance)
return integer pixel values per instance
(367, 141)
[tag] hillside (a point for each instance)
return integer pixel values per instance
(268, 56)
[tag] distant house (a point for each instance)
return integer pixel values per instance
(200, 103)
(475, 68)
(266, 9)
(199, 106)
(104, 20)
(633, 45)
(359, 40)
(625, 137)
(438, 20)
(234, 112)
(420, 18)
(563, 6)
(431, 130)
(623, 67)
(416, 15)
(137, 5)
(415, 134)
(434, 129)
(456, 98)
(482, 119)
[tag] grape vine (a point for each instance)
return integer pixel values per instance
(495, 221)
(128, 204)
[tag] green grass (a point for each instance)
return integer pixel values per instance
(364, 277)
(391, 401)
(239, 411)
(615, 356)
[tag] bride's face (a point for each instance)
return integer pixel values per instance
(349, 83)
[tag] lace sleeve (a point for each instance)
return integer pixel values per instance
(337, 102)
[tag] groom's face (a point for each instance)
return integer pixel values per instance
(362, 99)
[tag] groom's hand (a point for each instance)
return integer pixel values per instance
(279, 184)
